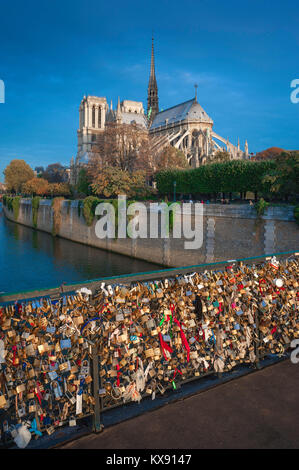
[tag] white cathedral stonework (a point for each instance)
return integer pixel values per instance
(185, 126)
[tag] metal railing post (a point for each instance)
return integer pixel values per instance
(97, 427)
(258, 342)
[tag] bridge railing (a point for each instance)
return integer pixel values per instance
(128, 338)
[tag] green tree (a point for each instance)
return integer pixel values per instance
(284, 177)
(16, 174)
(83, 182)
(219, 157)
(232, 176)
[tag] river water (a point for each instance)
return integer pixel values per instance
(30, 259)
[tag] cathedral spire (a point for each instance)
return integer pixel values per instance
(152, 91)
(153, 75)
(246, 149)
(118, 112)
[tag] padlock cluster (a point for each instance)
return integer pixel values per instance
(45, 364)
(147, 337)
(155, 335)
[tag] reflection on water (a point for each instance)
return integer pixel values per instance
(30, 259)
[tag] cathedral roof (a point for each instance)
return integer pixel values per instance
(189, 110)
(129, 118)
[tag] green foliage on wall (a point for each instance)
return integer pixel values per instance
(16, 207)
(35, 206)
(89, 205)
(261, 206)
(7, 201)
(12, 204)
(56, 206)
(80, 204)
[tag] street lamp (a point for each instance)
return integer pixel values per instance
(174, 191)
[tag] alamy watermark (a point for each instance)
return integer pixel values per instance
(295, 353)
(295, 93)
(155, 220)
(2, 92)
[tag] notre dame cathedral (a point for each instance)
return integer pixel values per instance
(185, 126)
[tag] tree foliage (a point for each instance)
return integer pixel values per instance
(124, 146)
(268, 154)
(41, 187)
(219, 157)
(83, 182)
(59, 189)
(232, 176)
(111, 182)
(284, 177)
(16, 174)
(55, 173)
(36, 187)
(170, 158)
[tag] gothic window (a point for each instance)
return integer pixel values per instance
(93, 116)
(99, 118)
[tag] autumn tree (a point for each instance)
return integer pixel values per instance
(124, 146)
(111, 182)
(171, 158)
(36, 187)
(268, 154)
(16, 174)
(59, 189)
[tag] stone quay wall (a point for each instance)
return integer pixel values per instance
(229, 232)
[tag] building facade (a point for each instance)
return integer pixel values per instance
(185, 126)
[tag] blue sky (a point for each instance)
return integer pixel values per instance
(243, 55)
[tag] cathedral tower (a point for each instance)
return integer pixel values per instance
(152, 91)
